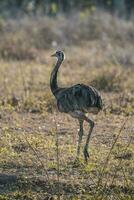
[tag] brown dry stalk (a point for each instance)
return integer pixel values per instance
(23, 82)
(109, 154)
(39, 159)
(57, 158)
(114, 176)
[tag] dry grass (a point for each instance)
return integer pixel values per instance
(38, 144)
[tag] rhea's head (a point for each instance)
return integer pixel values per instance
(59, 55)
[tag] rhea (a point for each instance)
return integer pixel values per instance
(76, 100)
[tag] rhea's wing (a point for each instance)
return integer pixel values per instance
(78, 97)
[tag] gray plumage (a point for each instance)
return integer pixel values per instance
(76, 101)
(78, 97)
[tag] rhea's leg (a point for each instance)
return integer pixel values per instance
(86, 154)
(80, 133)
(81, 117)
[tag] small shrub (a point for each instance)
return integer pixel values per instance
(108, 81)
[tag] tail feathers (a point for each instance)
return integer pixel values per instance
(99, 103)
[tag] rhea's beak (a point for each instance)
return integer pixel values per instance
(53, 55)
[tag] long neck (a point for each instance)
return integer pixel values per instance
(53, 78)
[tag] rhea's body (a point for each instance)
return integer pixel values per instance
(79, 97)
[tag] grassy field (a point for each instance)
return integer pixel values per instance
(37, 143)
